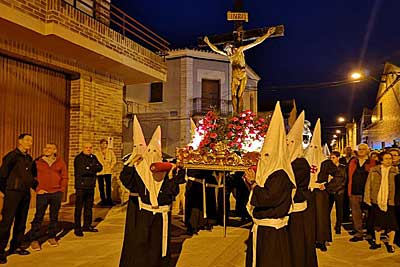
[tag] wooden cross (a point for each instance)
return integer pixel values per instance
(239, 35)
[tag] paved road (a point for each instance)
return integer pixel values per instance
(206, 249)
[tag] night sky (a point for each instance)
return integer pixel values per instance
(324, 41)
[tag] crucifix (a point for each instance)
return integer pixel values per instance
(234, 47)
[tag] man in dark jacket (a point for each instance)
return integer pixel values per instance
(86, 166)
(335, 187)
(17, 177)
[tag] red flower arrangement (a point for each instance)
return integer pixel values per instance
(239, 132)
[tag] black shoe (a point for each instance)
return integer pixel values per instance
(323, 248)
(338, 231)
(90, 229)
(375, 246)
(356, 239)
(19, 251)
(390, 248)
(78, 232)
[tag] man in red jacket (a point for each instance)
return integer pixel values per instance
(358, 172)
(53, 179)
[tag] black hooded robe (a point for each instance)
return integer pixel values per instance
(271, 201)
(127, 178)
(143, 246)
(194, 217)
(302, 224)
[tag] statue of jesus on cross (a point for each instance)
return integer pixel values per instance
(238, 63)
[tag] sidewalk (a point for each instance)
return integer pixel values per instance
(203, 250)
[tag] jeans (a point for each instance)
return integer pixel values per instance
(16, 207)
(84, 199)
(105, 197)
(357, 214)
(337, 198)
(42, 202)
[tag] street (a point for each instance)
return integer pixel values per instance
(209, 248)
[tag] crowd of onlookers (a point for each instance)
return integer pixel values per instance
(47, 175)
(369, 195)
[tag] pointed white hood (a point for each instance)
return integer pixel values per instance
(326, 151)
(274, 153)
(153, 154)
(139, 143)
(295, 138)
(314, 154)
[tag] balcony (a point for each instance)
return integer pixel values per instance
(91, 33)
(202, 105)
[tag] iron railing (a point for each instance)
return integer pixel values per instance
(121, 22)
(202, 105)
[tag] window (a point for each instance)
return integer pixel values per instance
(210, 94)
(86, 6)
(156, 92)
(380, 111)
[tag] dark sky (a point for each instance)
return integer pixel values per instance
(323, 42)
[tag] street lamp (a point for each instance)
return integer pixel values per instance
(341, 119)
(356, 75)
(338, 131)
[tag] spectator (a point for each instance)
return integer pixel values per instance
(374, 155)
(358, 172)
(86, 166)
(106, 158)
(17, 177)
(380, 195)
(53, 180)
(346, 201)
(335, 188)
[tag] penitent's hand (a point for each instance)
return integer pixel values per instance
(250, 176)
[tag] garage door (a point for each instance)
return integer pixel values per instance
(35, 100)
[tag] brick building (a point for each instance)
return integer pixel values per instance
(380, 127)
(63, 67)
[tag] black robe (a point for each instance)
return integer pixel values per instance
(302, 224)
(194, 217)
(143, 232)
(271, 201)
(127, 178)
(321, 197)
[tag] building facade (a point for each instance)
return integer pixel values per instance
(62, 73)
(197, 82)
(381, 125)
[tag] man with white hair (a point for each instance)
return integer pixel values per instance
(86, 166)
(271, 197)
(358, 172)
